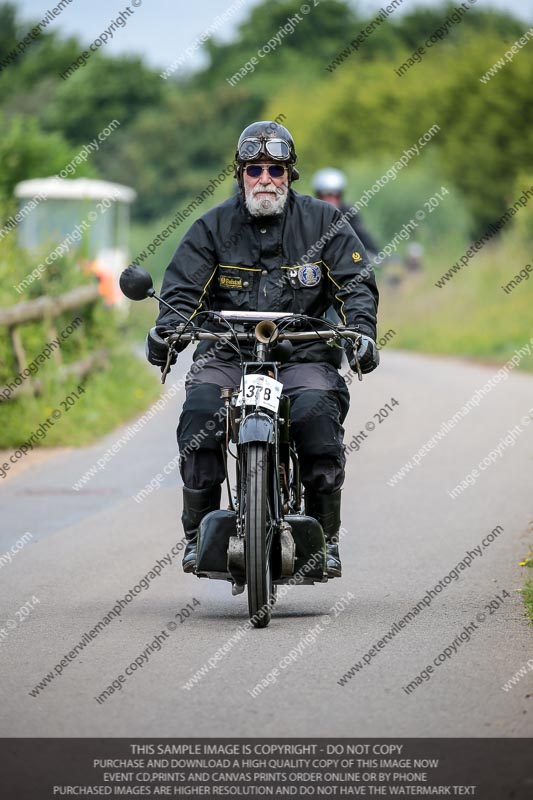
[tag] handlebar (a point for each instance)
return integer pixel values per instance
(249, 336)
(256, 320)
(266, 329)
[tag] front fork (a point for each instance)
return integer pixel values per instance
(284, 494)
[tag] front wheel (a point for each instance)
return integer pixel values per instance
(258, 541)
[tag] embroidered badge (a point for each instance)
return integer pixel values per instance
(309, 274)
(357, 256)
(228, 282)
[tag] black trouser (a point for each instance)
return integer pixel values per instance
(319, 404)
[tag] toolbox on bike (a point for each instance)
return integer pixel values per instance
(213, 542)
(310, 560)
(217, 527)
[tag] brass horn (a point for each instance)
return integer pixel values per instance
(266, 332)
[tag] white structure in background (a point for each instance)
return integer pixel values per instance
(84, 215)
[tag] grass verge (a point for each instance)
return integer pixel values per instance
(110, 396)
(527, 591)
(471, 316)
(527, 594)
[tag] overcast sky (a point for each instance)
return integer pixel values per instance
(161, 30)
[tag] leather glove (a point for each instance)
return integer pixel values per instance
(368, 355)
(156, 349)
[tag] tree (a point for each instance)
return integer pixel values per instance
(104, 90)
(314, 37)
(26, 151)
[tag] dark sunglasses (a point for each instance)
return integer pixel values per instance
(255, 170)
(278, 149)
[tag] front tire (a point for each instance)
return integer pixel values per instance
(258, 542)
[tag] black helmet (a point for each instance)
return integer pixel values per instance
(265, 139)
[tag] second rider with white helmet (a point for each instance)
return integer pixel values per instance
(329, 184)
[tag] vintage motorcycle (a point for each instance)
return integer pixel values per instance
(264, 538)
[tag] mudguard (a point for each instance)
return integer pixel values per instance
(256, 427)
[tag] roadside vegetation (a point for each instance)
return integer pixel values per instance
(471, 316)
(115, 391)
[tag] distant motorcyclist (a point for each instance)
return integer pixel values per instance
(329, 184)
(250, 253)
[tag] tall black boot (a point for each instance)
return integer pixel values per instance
(326, 509)
(196, 504)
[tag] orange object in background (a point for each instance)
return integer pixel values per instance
(107, 283)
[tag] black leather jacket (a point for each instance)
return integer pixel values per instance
(231, 260)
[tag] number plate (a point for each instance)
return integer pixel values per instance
(260, 390)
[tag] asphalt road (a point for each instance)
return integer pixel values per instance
(90, 547)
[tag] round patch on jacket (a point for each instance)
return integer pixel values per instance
(309, 274)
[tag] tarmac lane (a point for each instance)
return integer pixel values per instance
(102, 634)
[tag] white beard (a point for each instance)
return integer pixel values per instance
(266, 205)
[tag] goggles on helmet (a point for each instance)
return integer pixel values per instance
(278, 149)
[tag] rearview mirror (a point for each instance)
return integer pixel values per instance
(136, 283)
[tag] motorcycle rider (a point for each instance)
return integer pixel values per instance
(251, 252)
(329, 184)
